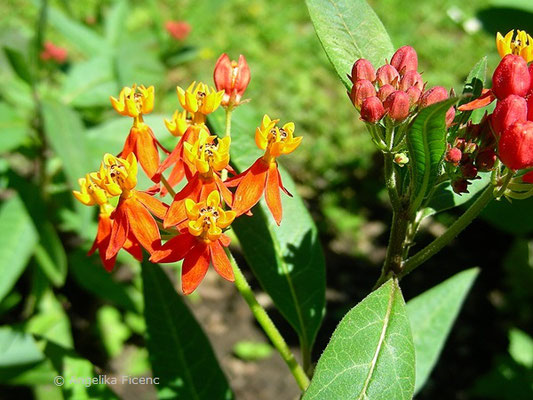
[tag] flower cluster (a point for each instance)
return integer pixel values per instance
(193, 224)
(395, 90)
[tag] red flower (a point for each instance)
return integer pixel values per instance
(232, 77)
(516, 146)
(179, 30)
(53, 52)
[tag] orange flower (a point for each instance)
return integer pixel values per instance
(263, 176)
(200, 243)
(232, 77)
(132, 216)
(135, 102)
(91, 194)
(208, 155)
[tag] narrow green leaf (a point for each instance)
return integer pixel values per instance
(432, 315)
(349, 30)
(14, 128)
(444, 198)
(50, 254)
(287, 260)
(426, 141)
(19, 64)
(371, 353)
(18, 238)
(17, 348)
(115, 22)
(180, 353)
(84, 39)
(521, 347)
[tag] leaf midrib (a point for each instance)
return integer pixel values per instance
(374, 361)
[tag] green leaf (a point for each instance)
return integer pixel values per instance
(18, 238)
(19, 64)
(349, 30)
(287, 260)
(371, 353)
(523, 5)
(521, 347)
(50, 254)
(115, 22)
(66, 135)
(432, 315)
(180, 353)
(252, 351)
(91, 276)
(426, 141)
(17, 348)
(444, 198)
(84, 39)
(113, 331)
(13, 126)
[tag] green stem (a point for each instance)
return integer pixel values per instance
(167, 186)
(268, 326)
(459, 225)
(229, 111)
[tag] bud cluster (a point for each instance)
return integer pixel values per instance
(395, 89)
(472, 152)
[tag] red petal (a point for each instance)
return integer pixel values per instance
(176, 212)
(272, 195)
(224, 191)
(172, 158)
(103, 234)
(133, 247)
(142, 225)
(119, 232)
(147, 154)
(251, 187)
(194, 267)
(108, 264)
(224, 240)
(129, 145)
(484, 100)
(220, 261)
(283, 187)
(155, 206)
(208, 186)
(175, 249)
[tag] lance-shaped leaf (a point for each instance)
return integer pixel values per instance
(180, 352)
(18, 238)
(349, 30)
(426, 141)
(432, 315)
(287, 260)
(371, 353)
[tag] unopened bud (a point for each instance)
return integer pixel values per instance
(460, 186)
(385, 91)
(387, 75)
(372, 110)
(468, 170)
(511, 76)
(485, 160)
(363, 69)
(411, 78)
(361, 90)
(401, 159)
(453, 156)
(397, 106)
(508, 111)
(232, 77)
(515, 147)
(405, 60)
(459, 143)
(530, 107)
(450, 116)
(414, 94)
(432, 96)
(470, 148)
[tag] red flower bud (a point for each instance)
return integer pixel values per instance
(516, 145)
(385, 91)
(468, 170)
(453, 156)
(387, 75)
(372, 110)
(397, 105)
(405, 60)
(363, 69)
(414, 94)
(459, 143)
(432, 96)
(53, 52)
(511, 76)
(232, 77)
(361, 90)
(530, 69)
(460, 186)
(179, 30)
(530, 107)
(528, 177)
(485, 160)
(508, 111)
(411, 78)
(450, 115)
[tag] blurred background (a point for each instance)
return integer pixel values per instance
(89, 50)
